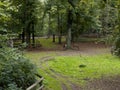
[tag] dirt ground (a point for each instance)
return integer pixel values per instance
(87, 48)
(105, 83)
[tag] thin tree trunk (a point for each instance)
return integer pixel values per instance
(28, 35)
(69, 38)
(24, 28)
(61, 30)
(33, 35)
(23, 36)
(119, 16)
(53, 37)
(59, 26)
(49, 29)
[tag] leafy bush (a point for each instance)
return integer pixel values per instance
(13, 87)
(117, 46)
(3, 39)
(15, 70)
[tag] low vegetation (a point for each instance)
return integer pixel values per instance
(75, 69)
(16, 72)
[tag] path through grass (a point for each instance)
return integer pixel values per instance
(63, 71)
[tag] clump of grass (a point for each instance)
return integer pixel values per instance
(82, 66)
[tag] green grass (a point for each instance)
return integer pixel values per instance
(94, 67)
(78, 69)
(86, 39)
(47, 43)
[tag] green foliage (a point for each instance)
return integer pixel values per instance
(13, 87)
(117, 46)
(15, 70)
(3, 39)
(88, 16)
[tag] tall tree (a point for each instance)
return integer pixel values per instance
(27, 17)
(69, 22)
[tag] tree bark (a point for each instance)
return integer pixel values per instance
(28, 35)
(23, 35)
(69, 21)
(59, 27)
(119, 16)
(69, 38)
(49, 29)
(53, 37)
(33, 35)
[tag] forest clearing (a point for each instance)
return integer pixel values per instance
(92, 67)
(59, 44)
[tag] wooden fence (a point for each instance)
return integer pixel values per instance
(37, 85)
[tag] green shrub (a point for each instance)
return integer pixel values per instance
(117, 46)
(13, 87)
(3, 40)
(15, 70)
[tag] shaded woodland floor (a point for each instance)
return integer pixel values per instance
(84, 48)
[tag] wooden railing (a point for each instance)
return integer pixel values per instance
(37, 85)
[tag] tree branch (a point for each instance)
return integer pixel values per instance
(71, 3)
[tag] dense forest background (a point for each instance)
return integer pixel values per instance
(33, 18)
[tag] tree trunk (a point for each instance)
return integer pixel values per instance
(73, 37)
(53, 37)
(69, 38)
(69, 29)
(119, 17)
(59, 26)
(60, 39)
(23, 36)
(33, 35)
(28, 35)
(49, 29)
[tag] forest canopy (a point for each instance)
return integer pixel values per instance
(69, 18)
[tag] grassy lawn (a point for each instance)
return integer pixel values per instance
(75, 69)
(47, 42)
(86, 39)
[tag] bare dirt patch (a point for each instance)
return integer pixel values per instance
(86, 48)
(106, 83)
